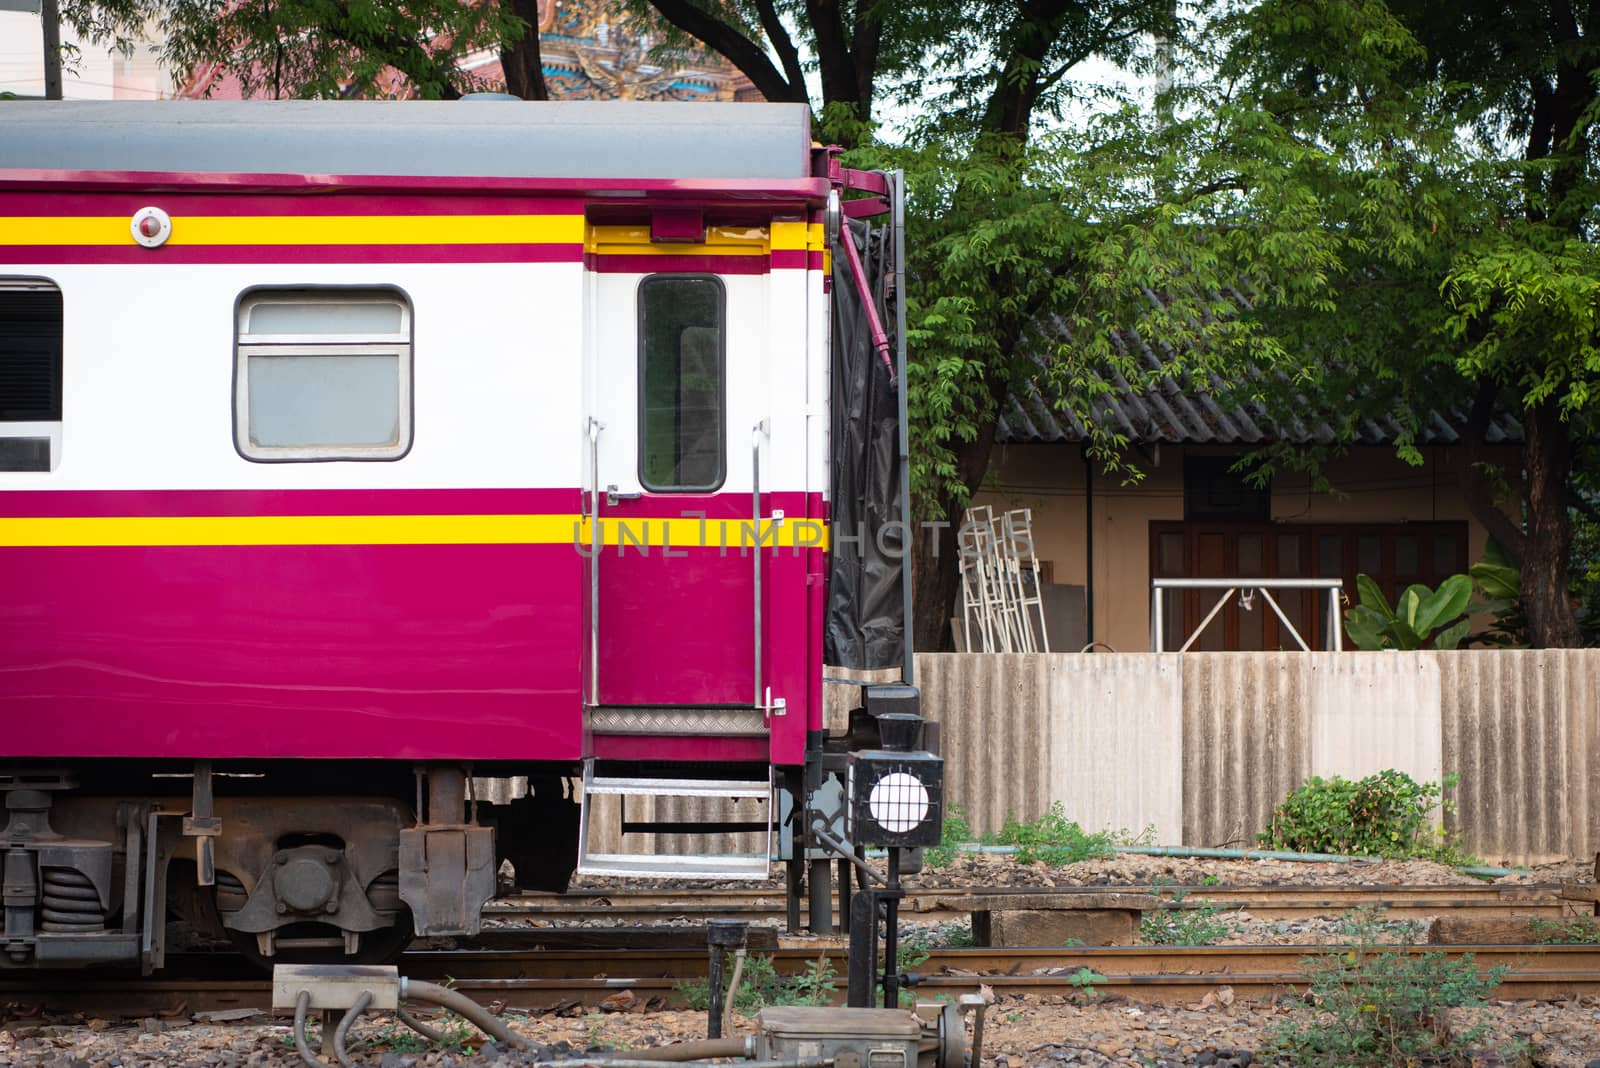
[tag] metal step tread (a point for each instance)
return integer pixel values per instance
(630, 787)
(678, 866)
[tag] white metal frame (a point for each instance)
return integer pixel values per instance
(1231, 586)
(248, 344)
(995, 585)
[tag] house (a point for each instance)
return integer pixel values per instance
(1099, 542)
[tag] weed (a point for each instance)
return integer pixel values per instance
(1053, 839)
(910, 952)
(1176, 924)
(956, 831)
(956, 935)
(1083, 982)
(1210, 880)
(1579, 931)
(1385, 815)
(1376, 1005)
(815, 985)
(761, 985)
(396, 1037)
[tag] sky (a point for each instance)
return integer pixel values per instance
(92, 76)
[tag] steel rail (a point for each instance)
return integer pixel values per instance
(1156, 974)
(1267, 902)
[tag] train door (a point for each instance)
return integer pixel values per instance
(677, 397)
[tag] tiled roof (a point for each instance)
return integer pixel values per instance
(1178, 410)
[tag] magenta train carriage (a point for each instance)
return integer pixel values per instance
(353, 454)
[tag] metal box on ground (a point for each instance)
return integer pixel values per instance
(854, 1038)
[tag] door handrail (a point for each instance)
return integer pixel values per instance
(595, 545)
(756, 434)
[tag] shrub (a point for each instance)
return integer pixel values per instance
(761, 985)
(1420, 618)
(1175, 925)
(1384, 815)
(956, 831)
(1054, 839)
(1579, 930)
(1377, 1004)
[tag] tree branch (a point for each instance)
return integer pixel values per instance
(837, 65)
(728, 42)
(521, 61)
(865, 38)
(782, 43)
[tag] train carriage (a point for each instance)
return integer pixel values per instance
(349, 452)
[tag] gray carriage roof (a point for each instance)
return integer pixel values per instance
(467, 138)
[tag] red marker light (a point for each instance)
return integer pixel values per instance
(150, 226)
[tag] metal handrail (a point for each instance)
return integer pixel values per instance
(595, 426)
(756, 434)
(1230, 586)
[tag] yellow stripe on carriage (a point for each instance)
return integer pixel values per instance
(635, 241)
(303, 230)
(631, 535)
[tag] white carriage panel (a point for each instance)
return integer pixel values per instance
(148, 372)
(818, 383)
(748, 345)
(784, 452)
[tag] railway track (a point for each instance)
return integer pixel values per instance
(1267, 902)
(541, 981)
(584, 966)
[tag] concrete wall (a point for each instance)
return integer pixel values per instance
(1374, 487)
(1202, 746)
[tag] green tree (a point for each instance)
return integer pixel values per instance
(1395, 206)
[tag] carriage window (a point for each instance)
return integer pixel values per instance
(30, 375)
(323, 375)
(680, 383)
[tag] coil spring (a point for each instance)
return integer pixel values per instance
(71, 903)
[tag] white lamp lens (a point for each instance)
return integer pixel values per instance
(898, 802)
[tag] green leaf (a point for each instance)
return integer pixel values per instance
(1498, 581)
(1451, 637)
(1365, 627)
(1444, 604)
(1410, 603)
(1402, 635)
(1372, 597)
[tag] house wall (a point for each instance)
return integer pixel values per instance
(1372, 486)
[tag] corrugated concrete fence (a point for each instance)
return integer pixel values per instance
(1201, 746)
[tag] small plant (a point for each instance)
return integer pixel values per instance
(594, 1031)
(956, 831)
(1577, 931)
(1176, 925)
(1377, 1005)
(1210, 880)
(761, 985)
(1054, 839)
(398, 1038)
(1084, 982)
(957, 935)
(815, 985)
(910, 952)
(1420, 617)
(1384, 815)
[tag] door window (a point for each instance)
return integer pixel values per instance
(682, 389)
